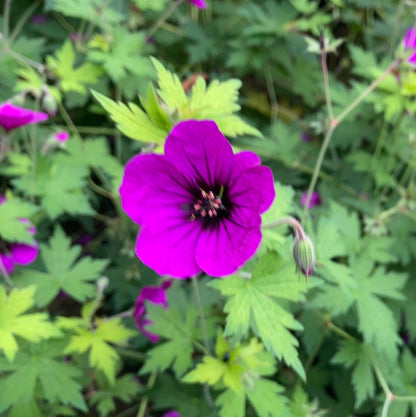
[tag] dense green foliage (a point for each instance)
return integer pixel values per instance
(278, 77)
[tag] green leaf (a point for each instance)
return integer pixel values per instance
(13, 322)
(101, 355)
(63, 272)
(360, 356)
(132, 121)
(252, 304)
(267, 399)
(124, 389)
(231, 403)
(11, 227)
(123, 55)
(170, 87)
(71, 78)
(39, 374)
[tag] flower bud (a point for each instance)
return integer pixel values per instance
(48, 103)
(304, 254)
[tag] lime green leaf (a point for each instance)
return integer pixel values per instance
(170, 86)
(266, 398)
(252, 304)
(154, 110)
(131, 120)
(71, 78)
(101, 355)
(33, 327)
(62, 271)
(231, 403)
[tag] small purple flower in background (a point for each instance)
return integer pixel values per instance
(409, 42)
(171, 414)
(314, 201)
(38, 19)
(305, 137)
(13, 117)
(201, 4)
(12, 253)
(155, 295)
(61, 136)
(198, 205)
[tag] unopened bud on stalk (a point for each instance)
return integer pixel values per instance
(48, 102)
(304, 254)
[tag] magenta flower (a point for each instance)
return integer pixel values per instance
(171, 414)
(314, 201)
(409, 42)
(198, 205)
(39, 19)
(61, 136)
(12, 117)
(155, 295)
(201, 4)
(12, 253)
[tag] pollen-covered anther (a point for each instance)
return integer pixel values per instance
(207, 206)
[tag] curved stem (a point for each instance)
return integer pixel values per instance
(291, 221)
(163, 18)
(23, 18)
(6, 18)
(326, 81)
(386, 406)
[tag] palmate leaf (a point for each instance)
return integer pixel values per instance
(359, 356)
(132, 121)
(252, 304)
(62, 271)
(97, 341)
(179, 327)
(216, 102)
(123, 55)
(13, 322)
(71, 78)
(40, 374)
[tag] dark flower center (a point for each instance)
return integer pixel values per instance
(208, 206)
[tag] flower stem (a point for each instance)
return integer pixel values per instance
(333, 123)
(6, 18)
(145, 400)
(23, 18)
(3, 142)
(163, 18)
(326, 80)
(291, 221)
(201, 313)
(5, 274)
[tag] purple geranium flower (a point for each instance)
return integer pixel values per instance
(314, 201)
(155, 295)
(199, 205)
(410, 43)
(39, 19)
(171, 414)
(201, 4)
(12, 117)
(12, 253)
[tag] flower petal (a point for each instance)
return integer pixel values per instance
(314, 201)
(168, 245)
(252, 189)
(201, 152)
(12, 117)
(24, 254)
(7, 263)
(171, 414)
(151, 184)
(201, 4)
(223, 249)
(412, 59)
(409, 40)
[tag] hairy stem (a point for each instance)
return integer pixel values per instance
(291, 221)
(201, 313)
(163, 18)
